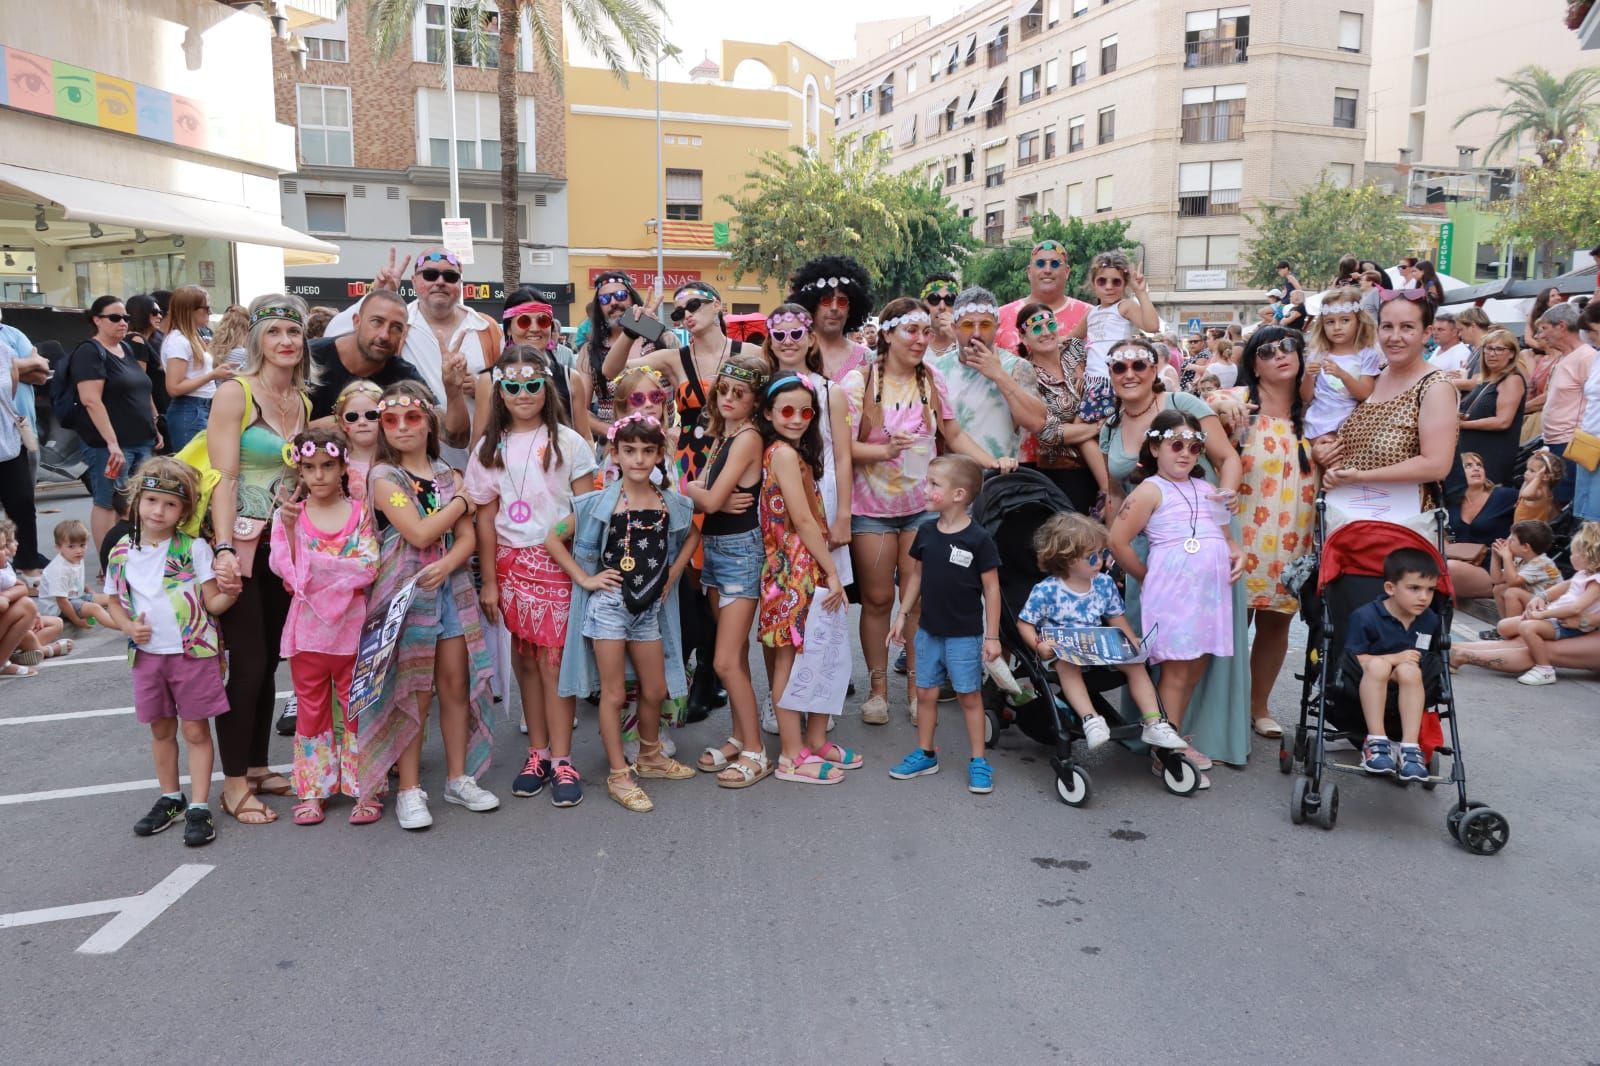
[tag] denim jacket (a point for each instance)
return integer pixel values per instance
(592, 512)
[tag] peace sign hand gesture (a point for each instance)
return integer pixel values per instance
(1136, 278)
(456, 376)
(389, 277)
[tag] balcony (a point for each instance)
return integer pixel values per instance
(997, 53)
(1209, 128)
(1224, 51)
(1209, 205)
(995, 116)
(994, 236)
(994, 177)
(1028, 97)
(1028, 160)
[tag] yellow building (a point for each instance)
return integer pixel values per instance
(713, 130)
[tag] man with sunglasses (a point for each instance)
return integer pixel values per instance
(995, 393)
(1048, 271)
(837, 293)
(614, 294)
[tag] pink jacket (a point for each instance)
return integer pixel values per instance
(327, 579)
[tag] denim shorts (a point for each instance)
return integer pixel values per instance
(104, 488)
(956, 659)
(449, 617)
(608, 619)
(186, 417)
(1566, 632)
(1586, 494)
(861, 523)
(733, 565)
(50, 609)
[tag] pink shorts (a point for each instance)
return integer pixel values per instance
(176, 686)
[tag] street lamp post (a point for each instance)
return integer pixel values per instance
(661, 196)
(450, 103)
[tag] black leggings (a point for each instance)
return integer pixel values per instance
(16, 499)
(251, 631)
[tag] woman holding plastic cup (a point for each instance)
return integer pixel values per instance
(898, 406)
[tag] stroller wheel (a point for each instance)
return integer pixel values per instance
(1328, 810)
(1484, 831)
(1073, 785)
(1297, 800)
(1453, 819)
(991, 727)
(1285, 760)
(1183, 781)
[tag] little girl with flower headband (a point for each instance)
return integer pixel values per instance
(325, 550)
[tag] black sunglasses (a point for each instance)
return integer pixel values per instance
(353, 417)
(688, 307)
(117, 318)
(1286, 344)
(947, 298)
(450, 276)
(1138, 366)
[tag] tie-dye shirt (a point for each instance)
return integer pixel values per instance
(161, 584)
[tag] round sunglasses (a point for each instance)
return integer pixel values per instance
(1138, 366)
(640, 399)
(394, 419)
(516, 388)
(1047, 264)
(1193, 447)
(934, 299)
(967, 328)
(789, 410)
(526, 322)
(352, 417)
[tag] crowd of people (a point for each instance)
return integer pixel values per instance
(616, 519)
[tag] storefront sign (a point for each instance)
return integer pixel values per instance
(1447, 241)
(1205, 279)
(645, 280)
(344, 291)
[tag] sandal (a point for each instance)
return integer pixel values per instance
(366, 811)
(17, 670)
(719, 759)
(56, 649)
(875, 708)
(1268, 727)
(668, 769)
(842, 757)
(248, 811)
(797, 770)
(258, 784)
(309, 812)
(750, 766)
(27, 658)
(626, 791)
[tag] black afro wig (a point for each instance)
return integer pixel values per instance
(822, 275)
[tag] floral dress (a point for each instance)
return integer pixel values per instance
(1276, 500)
(789, 576)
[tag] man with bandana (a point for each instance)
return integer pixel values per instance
(1048, 270)
(837, 293)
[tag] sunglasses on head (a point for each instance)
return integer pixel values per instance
(1138, 366)
(516, 388)
(620, 296)
(640, 399)
(1193, 447)
(394, 419)
(1403, 294)
(789, 410)
(352, 417)
(1047, 264)
(450, 276)
(116, 318)
(688, 307)
(528, 321)
(781, 335)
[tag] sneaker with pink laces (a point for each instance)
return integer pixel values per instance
(567, 788)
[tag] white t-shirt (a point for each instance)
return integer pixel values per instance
(177, 346)
(1591, 401)
(1331, 402)
(547, 494)
(8, 577)
(146, 565)
(1454, 358)
(62, 578)
(1227, 374)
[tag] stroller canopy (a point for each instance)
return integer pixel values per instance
(1361, 547)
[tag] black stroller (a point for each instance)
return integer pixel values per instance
(1012, 507)
(1350, 575)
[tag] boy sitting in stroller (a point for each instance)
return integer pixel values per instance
(1396, 639)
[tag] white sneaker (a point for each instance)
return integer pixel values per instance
(411, 808)
(1160, 734)
(1538, 675)
(1095, 731)
(669, 747)
(522, 727)
(469, 794)
(769, 718)
(630, 751)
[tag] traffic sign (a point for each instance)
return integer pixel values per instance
(1194, 325)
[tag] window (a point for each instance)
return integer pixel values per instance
(952, 61)
(1350, 31)
(488, 223)
(996, 114)
(1028, 86)
(935, 67)
(1206, 189)
(1216, 37)
(1049, 142)
(1344, 108)
(1102, 194)
(886, 95)
(1207, 262)
(1075, 135)
(970, 47)
(1108, 125)
(684, 195)
(1341, 175)
(1108, 54)
(1032, 21)
(1047, 201)
(999, 43)
(911, 78)
(950, 172)
(1028, 148)
(866, 100)
(433, 31)
(1027, 207)
(324, 126)
(326, 50)
(994, 224)
(969, 164)
(324, 213)
(1075, 200)
(477, 130)
(1213, 113)
(1052, 12)
(1079, 7)
(1080, 67)
(851, 103)
(1052, 75)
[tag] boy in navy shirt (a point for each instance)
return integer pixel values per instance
(1390, 637)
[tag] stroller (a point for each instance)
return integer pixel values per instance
(1012, 507)
(1349, 575)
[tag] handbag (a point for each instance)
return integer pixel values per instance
(1584, 450)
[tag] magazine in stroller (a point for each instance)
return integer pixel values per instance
(1349, 574)
(1012, 507)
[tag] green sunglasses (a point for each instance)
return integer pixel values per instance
(516, 388)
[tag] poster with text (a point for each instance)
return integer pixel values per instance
(375, 653)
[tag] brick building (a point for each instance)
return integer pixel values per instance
(372, 138)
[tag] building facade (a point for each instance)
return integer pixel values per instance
(1176, 115)
(373, 150)
(714, 128)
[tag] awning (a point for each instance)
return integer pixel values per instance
(908, 132)
(992, 32)
(1025, 8)
(972, 101)
(955, 54)
(84, 200)
(991, 92)
(970, 45)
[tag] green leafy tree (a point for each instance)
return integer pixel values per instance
(1004, 270)
(1550, 112)
(1557, 209)
(1322, 224)
(796, 206)
(622, 33)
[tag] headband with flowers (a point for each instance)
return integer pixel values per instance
(826, 284)
(910, 318)
(640, 417)
(976, 309)
(389, 403)
(294, 455)
(516, 372)
(1175, 434)
(649, 371)
(437, 257)
(799, 318)
(1340, 309)
(283, 311)
(753, 378)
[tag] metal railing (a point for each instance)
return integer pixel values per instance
(994, 177)
(1220, 52)
(1209, 204)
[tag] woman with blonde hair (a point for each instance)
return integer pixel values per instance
(1492, 413)
(191, 373)
(227, 339)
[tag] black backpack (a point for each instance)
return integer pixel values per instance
(64, 403)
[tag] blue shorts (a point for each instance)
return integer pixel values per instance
(733, 565)
(104, 488)
(449, 617)
(956, 659)
(186, 417)
(608, 619)
(50, 609)
(1565, 632)
(907, 523)
(1586, 494)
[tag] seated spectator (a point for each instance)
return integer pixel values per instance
(1573, 611)
(1521, 569)
(63, 591)
(1478, 519)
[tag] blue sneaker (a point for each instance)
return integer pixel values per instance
(900, 663)
(1412, 768)
(980, 777)
(567, 788)
(916, 764)
(531, 781)
(1377, 756)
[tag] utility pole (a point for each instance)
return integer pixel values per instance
(450, 103)
(661, 196)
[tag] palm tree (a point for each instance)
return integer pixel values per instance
(623, 33)
(1551, 112)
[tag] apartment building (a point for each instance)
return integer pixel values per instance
(373, 144)
(1176, 115)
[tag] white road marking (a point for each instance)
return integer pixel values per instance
(102, 790)
(133, 913)
(104, 712)
(67, 660)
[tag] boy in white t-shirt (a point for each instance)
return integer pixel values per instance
(63, 592)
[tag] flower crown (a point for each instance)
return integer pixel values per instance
(650, 421)
(1175, 434)
(169, 485)
(799, 317)
(516, 372)
(293, 455)
(389, 403)
(283, 311)
(910, 318)
(1039, 318)
(824, 284)
(1340, 309)
(656, 375)
(977, 309)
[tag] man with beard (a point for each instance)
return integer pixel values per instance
(372, 352)
(838, 295)
(1048, 270)
(613, 295)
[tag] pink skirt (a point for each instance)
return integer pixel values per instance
(535, 596)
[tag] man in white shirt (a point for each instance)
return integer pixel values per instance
(1454, 353)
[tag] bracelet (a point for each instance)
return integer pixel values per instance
(220, 548)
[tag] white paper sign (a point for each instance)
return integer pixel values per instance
(457, 237)
(1377, 501)
(821, 673)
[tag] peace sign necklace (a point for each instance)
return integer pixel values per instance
(1192, 544)
(520, 510)
(628, 562)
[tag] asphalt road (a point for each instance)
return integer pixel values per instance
(874, 922)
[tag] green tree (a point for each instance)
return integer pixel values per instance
(795, 206)
(1004, 270)
(1550, 112)
(1324, 223)
(1557, 209)
(622, 33)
